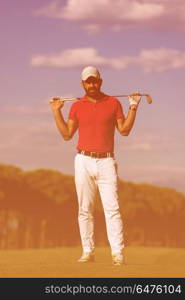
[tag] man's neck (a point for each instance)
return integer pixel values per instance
(96, 98)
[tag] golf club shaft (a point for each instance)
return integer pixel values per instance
(149, 99)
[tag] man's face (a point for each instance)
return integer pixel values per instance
(92, 86)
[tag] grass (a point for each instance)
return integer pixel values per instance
(140, 262)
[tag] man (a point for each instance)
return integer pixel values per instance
(96, 115)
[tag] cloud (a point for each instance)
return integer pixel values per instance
(145, 143)
(29, 126)
(41, 108)
(150, 60)
(31, 141)
(108, 14)
(32, 144)
(25, 135)
(25, 110)
(107, 9)
(160, 59)
(101, 10)
(162, 175)
(93, 28)
(70, 58)
(140, 146)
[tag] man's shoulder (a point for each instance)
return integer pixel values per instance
(80, 100)
(113, 99)
(77, 102)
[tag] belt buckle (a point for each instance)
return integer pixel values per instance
(91, 154)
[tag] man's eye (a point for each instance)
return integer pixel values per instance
(93, 82)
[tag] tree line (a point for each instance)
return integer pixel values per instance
(39, 209)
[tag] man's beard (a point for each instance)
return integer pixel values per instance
(92, 92)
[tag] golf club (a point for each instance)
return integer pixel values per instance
(148, 98)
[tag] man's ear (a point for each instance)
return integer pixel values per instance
(101, 81)
(82, 84)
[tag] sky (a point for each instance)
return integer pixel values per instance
(138, 45)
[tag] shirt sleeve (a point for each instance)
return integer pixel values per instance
(119, 111)
(73, 112)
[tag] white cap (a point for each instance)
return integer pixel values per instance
(90, 71)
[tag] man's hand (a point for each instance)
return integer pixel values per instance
(134, 99)
(56, 103)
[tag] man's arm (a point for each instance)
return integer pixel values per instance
(124, 125)
(67, 129)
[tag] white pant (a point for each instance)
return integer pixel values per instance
(91, 173)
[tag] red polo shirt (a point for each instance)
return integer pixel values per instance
(96, 123)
